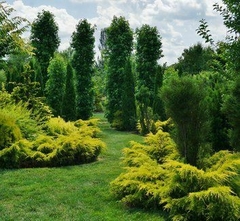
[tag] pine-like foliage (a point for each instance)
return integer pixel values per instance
(127, 118)
(83, 60)
(55, 85)
(231, 108)
(44, 38)
(25, 143)
(156, 177)
(148, 52)
(119, 42)
(69, 98)
(185, 104)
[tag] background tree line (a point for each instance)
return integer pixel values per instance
(199, 92)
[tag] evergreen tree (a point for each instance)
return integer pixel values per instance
(231, 108)
(148, 51)
(55, 85)
(119, 42)
(45, 40)
(184, 101)
(83, 61)
(128, 103)
(69, 102)
(158, 106)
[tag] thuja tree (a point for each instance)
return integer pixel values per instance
(158, 106)
(128, 103)
(44, 38)
(184, 102)
(83, 61)
(119, 43)
(148, 52)
(55, 85)
(69, 102)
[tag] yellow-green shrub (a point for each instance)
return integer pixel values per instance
(64, 144)
(156, 177)
(9, 131)
(22, 118)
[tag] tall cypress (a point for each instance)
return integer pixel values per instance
(148, 51)
(44, 38)
(83, 61)
(119, 44)
(69, 102)
(128, 102)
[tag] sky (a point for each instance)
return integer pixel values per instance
(176, 20)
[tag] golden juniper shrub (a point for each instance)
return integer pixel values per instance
(65, 143)
(57, 125)
(9, 131)
(155, 177)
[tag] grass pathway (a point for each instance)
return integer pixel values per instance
(76, 193)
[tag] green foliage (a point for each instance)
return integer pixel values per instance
(27, 92)
(55, 85)
(83, 60)
(9, 131)
(128, 102)
(155, 177)
(158, 106)
(231, 108)
(62, 144)
(69, 98)
(185, 104)
(22, 118)
(204, 32)
(148, 51)
(45, 40)
(194, 60)
(11, 29)
(3, 79)
(119, 43)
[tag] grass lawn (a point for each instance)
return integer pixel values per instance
(71, 193)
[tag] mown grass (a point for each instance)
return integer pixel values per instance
(71, 193)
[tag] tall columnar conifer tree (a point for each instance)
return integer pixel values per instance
(45, 40)
(69, 98)
(119, 43)
(128, 104)
(55, 85)
(83, 61)
(148, 52)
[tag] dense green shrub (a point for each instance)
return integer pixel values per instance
(157, 177)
